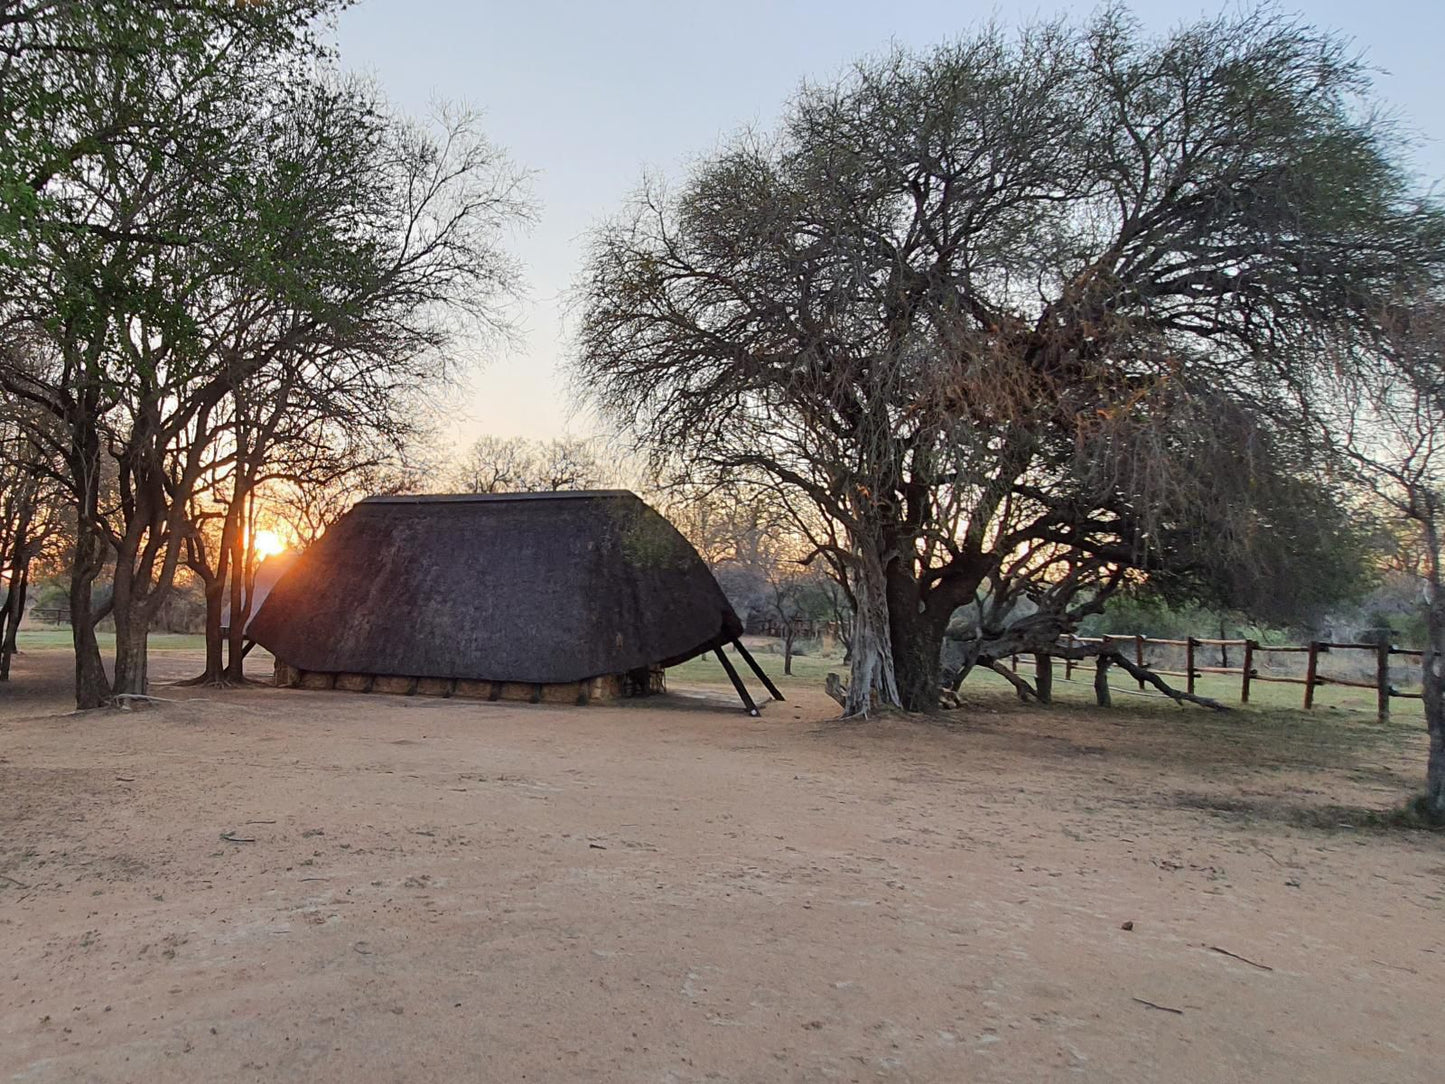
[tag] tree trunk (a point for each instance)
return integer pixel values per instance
(14, 609)
(22, 498)
(1435, 766)
(215, 602)
(788, 635)
(1433, 688)
(1044, 678)
(917, 637)
(132, 629)
(216, 580)
(871, 679)
(92, 689)
(1101, 679)
(235, 660)
(918, 659)
(12, 634)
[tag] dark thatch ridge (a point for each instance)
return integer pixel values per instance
(541, 588)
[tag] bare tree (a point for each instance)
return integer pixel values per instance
(344, 398)
(1002, 314)
(1391, 427)
(308, 507)
(797, 597)
(517, 465)
(32, 514)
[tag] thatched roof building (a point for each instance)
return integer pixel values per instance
(555, 596)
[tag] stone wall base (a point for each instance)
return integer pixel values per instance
(642, 682)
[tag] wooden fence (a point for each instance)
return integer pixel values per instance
(1251, 652)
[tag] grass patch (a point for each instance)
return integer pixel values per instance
(59, 640)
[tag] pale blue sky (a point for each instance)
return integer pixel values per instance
(588, 95)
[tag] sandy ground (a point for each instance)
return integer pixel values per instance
(419, 890)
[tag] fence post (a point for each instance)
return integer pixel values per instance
(1312, 669)
(1249, 646)
(1069, 661)
(1382, 681)
(1139, 655)
(1189, 644)
(1013, 661)
(1044, 678)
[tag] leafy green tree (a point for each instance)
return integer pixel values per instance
(119, 192)
(198, 219)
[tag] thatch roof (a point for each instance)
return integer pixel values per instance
(541, 588)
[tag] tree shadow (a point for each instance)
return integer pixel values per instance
(1323, 817)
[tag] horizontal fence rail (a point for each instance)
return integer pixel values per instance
(1251, 652)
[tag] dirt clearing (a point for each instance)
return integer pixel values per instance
(286, 885)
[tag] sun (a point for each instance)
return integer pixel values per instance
(267, 544)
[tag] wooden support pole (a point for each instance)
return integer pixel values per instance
(1249, 646)
(1101, 680)
(1382, 681)
(1013, 662)
(1044, 678)
(1189, 646)
(1139, 655)
(737, 681)
(753, 663)
(1069, 662)
(1312, 669)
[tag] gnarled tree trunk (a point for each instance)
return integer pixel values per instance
(871, 677)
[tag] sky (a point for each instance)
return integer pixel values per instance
(589, 95)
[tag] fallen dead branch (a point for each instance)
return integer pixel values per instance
(1237, 956)
(1161, 1008)
(1143, 673)
(1079, 653)
(1026, 691)
(837, 688)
